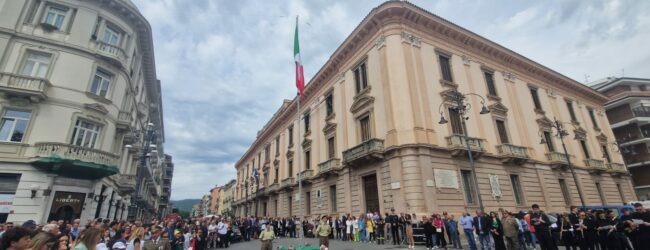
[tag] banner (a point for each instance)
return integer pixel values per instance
(6, 203)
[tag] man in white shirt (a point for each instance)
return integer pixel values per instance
(212, 234)
(222, 230)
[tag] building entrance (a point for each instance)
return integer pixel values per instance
(370, 193)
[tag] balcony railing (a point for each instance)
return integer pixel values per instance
(641, 112)
(367, 151)
(557, 159)
(75, 160)
(513, 153)
(35, 88)
(457, 144)
(110, 50)
(288, 182)
(616, 167)
(306, 174)
(595, 166)
(328, 165)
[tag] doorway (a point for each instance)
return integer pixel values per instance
(370, 193)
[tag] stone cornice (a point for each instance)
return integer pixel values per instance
(391, 17)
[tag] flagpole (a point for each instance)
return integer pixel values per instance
(298, 153)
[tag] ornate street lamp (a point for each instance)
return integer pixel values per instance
(456, 102)
(148, 146)
(561, 132)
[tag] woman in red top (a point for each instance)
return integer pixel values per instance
(439, 224)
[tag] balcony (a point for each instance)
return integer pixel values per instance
(24, 86)
(273, 188)
(329, 166)
(367, 152)
(126, 183)
(557, 160)
(288, 182)
(458, 147)
(306, 175)
(124, 120)
(113, 53)
(617, 169)
(512, 154)
(595, 166)
(75, 161)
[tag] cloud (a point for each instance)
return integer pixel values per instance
(226, 66)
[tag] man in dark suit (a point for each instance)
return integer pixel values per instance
(157, 242)
(393, 221)
(482, 226)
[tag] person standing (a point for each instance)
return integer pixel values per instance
(222, 231)
(393, 221)
(266, 237)
(540, 221)
(338, 224)
(408, 228)
(496, 230)
(439, 224)
(641, 218)
(468, 227)
(17, 238)
(428, 230)
(510, 230)
(348, 229)
(323, 231)
(380, 225)
(157, 242)
(482, 230)
(452, 231)
(568, 232)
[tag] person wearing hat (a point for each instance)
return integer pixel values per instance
(157, 242)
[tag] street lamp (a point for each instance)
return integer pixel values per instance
(148, 145)
(561, 132)
(458, 104)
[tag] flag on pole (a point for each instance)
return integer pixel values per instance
(300, 77)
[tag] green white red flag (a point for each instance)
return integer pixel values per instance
(300, 77)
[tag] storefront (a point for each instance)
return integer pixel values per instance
(8, 186)
(66, 206)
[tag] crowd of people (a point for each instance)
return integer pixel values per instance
(502, 230)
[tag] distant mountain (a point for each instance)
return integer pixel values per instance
(185, 205)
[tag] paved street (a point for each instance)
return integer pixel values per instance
(334, 244)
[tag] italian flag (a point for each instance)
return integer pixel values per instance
(300, 76)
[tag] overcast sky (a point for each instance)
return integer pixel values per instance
(226, 66)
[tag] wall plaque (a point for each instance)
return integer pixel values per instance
(496, 187)
(446, 178)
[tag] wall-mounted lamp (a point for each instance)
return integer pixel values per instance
(34, 188)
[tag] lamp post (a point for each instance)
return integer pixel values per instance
(149, 136)
(561, 132)
(456, 102)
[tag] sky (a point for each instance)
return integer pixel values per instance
(225, 66)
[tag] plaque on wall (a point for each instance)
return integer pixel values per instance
(496, 187)
(446, 178)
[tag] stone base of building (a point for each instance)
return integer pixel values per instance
(41, 196)
(425, 180)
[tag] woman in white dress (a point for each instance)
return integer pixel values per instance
(348, 228)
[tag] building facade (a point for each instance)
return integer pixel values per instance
(628, 111)
(77, 89)
(227, 195)
(215, 197)
(370, 140)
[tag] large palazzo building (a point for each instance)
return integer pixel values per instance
(629, 115)
(79, 101)
(370, 140)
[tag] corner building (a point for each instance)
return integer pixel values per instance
(77, 89)
(370, 138)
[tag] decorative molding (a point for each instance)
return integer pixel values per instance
(509, 76)
(361, 102)
(447, 95)
(411, 39)
(340, 77)
(551, 93)
(466, 59)
(602, 138)
(289, 154)
(580, 133)
(544, 123)
(97, 108)
(498, 109)
(380, 42)
(329, 128)
(306, 144)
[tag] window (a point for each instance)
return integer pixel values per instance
(360, 77)
(593, 118)
(329, 104)
(642, 88)
(565, 192)
(307, 159)
(455, 121)
(503, 133)
(516, 189)
(277, 146)
(277, 175)
(308, 203)
(36, 64)
(620, 192)
(600, 193)
(331, 153)
(469, 186)
(307, 118)
(55, 16)
(101, 82)
(333, 198)
(85, 134)
(489, 81)
(365, 128)
(535, 95)
(585, 149)
(445, 68)
(549, 141)
(267, 153)
(569, 105)
(14, 125)
(111, 35)
(290, 134)
(606, 154)
(289, 205)
(290, 168)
